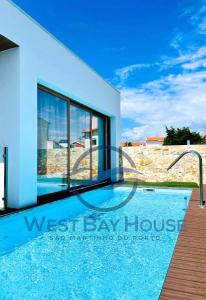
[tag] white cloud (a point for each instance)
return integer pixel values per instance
(125, 72)
(194, 65)
(199, 18)
(135, 133)
(174, 100)
(191, 60)
(178, 98)
(193, 56)
(190, 33)
(176, 41)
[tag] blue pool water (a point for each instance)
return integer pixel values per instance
(84, 255)
(45, 188)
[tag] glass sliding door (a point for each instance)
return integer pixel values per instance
(52, 143)
(80, 146)
(71, 144)
(98, 148)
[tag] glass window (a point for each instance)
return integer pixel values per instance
(52, 143)
(71, 144)
(80, 142)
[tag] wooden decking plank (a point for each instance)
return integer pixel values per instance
(193, 259)
(190, 256)
(169, 294)
(182, 286)
(197, 263)
(188, 267)
(195, 251)
(186, 277)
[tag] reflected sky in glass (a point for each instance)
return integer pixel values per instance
(53, 111)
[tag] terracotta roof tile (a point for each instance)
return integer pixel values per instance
(155, 139)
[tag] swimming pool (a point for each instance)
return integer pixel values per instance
(78, 253)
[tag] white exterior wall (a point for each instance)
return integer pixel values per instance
(10, 116)
(40, 58)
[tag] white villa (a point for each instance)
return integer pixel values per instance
(47, 93)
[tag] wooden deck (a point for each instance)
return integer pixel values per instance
(186, 277)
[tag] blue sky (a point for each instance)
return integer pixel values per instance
(153, 51)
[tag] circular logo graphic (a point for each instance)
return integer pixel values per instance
(105, 175)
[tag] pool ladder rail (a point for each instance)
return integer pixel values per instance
(200, 171)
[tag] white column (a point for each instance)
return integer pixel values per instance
(18, 128)
(9, 118)
(28, 132)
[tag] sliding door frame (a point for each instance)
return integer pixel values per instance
(107, 142)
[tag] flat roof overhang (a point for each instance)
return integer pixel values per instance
(6, 44)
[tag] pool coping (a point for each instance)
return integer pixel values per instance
(52, 198)
(139, 186)
(186, 276)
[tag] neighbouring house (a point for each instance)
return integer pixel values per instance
(77, 144)
(87, 135)
(149, 141)
(63, 143)
(50, 99)
(154, 141)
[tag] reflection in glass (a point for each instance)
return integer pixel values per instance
(98, 157)
(52, 143)
(65, 157)
(80, 145)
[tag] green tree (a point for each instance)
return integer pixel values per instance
(180, 136)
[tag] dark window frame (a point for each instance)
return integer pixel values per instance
(107, 154)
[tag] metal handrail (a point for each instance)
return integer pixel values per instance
(200, 171)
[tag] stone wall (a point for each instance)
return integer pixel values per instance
(54, 163)
(153, 161)
(150, 160)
